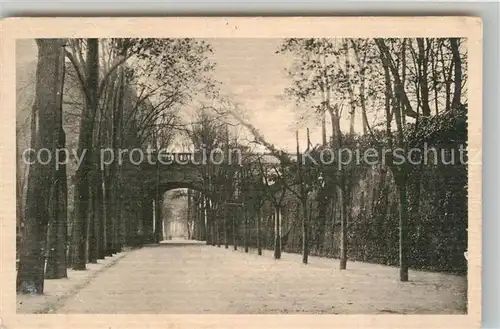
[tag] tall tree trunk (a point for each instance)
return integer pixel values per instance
(121, 219)
(109, 171)
(403, 172)
(198, 203)
(277, 233)
(96, 191)
(235, 237)
(424, 89)
(329, 220)
(320, 231)
(226, 215)
(244, 206)
(208, 233)
(227, 185)
(149, 206)
(323, 129)
(259, 218)
(82, 175)
(115, 171)
(457, 93)
(343, 226)
(305, 231)
(388, 62)
(217, 224)
(189, 205)
(104, 171)
(92, 225)
(352, 112)
(203, 226)
(194, 211)
(158, 231)
(363, 106)
(213, 226)
(362, 83)
(446, 79)
(400, 172)
(403, 228)
(435, 80)
(58, 231)
(58, 235)
(245, 219)
(341, 194)
(303, 200)
(333, 216)
(101, 215)
(107, 190)
(30, 276)
(94, 238)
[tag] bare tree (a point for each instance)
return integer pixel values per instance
(30, 276)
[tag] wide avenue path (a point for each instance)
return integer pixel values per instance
(190, 277)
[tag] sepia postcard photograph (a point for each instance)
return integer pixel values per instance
(300, 172)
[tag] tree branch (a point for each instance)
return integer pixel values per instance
(120, 60)
(79, 74)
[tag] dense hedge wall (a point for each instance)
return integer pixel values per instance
(437, 198)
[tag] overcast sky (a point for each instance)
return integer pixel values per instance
(254, 76)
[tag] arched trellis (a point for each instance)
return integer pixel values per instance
(144, 187)
(158, 192)
(150, 223)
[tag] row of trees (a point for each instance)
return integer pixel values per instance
(93, 94)
(407, 93)
(270, 211)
